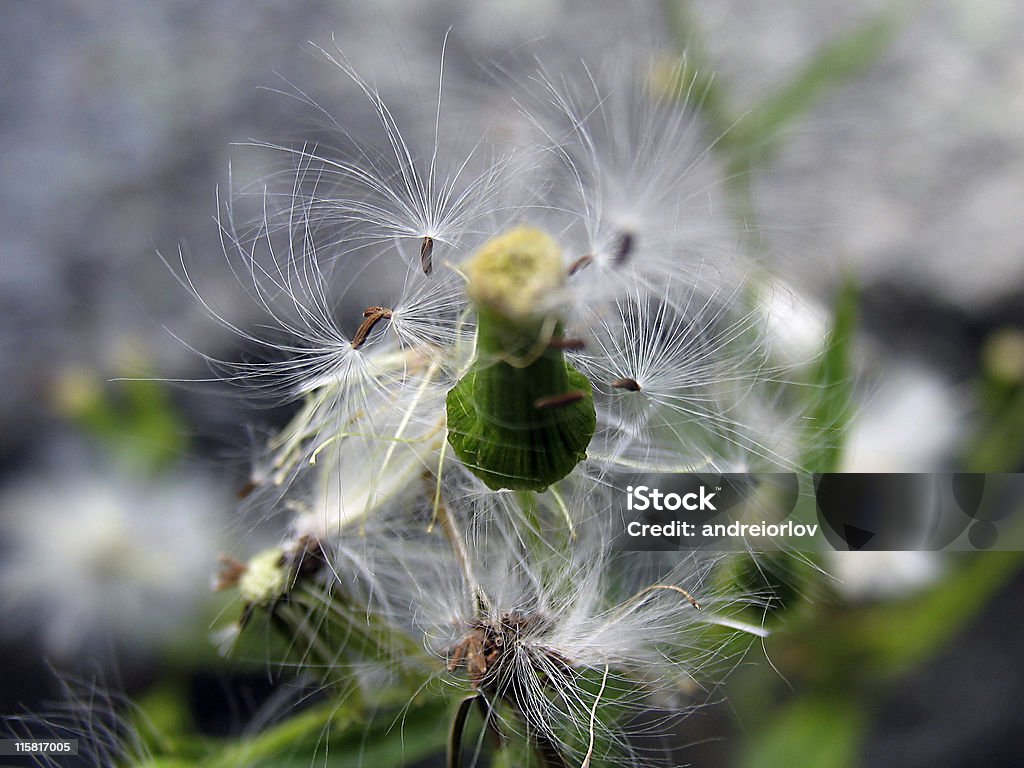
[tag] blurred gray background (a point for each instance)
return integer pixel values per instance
(117, 120)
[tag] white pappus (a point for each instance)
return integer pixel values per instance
(652, 307)
(417, 288)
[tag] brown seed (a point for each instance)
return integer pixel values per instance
(570, 345)
(579, 264)
(373, 316)
(673, 588)
(630, 385)
(557, 401)
(623, 248)
(231, 571)
(426, 255)
(246, 489)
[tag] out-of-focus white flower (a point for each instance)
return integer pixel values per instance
(96, 561)
(911, 423)
(881, 575)
(797, 324)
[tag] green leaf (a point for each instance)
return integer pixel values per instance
(813, 732)
(832, 385)
(299, 734)
(135, 419)
(760, 133)
(389, 740)
(997, 444)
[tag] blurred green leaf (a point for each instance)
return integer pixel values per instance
(749, 138)
(895, 635)
(709, 93)
(299, 734)
(135, 419)
(813, 732)
(998, 442)
(753, 137)
(759, 134)
(389, 740)
(165, 718)
(832, 381)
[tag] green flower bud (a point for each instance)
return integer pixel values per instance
(522, 417)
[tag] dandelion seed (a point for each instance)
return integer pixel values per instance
(626, 383)
(373, 316)
(579, 264)
(593, 721)
(245, 490)
(623, 248)
(230, 573)
(674, 588)
(105, 724)
(559, 401)
(567, 345)
(426, 255)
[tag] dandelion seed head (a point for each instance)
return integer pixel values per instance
(614, 168)
(588, 220)
(544, 619)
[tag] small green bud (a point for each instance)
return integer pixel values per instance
(522, 417)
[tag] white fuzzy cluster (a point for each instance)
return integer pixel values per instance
(655, 302)
(613, 165)
(589, 615)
